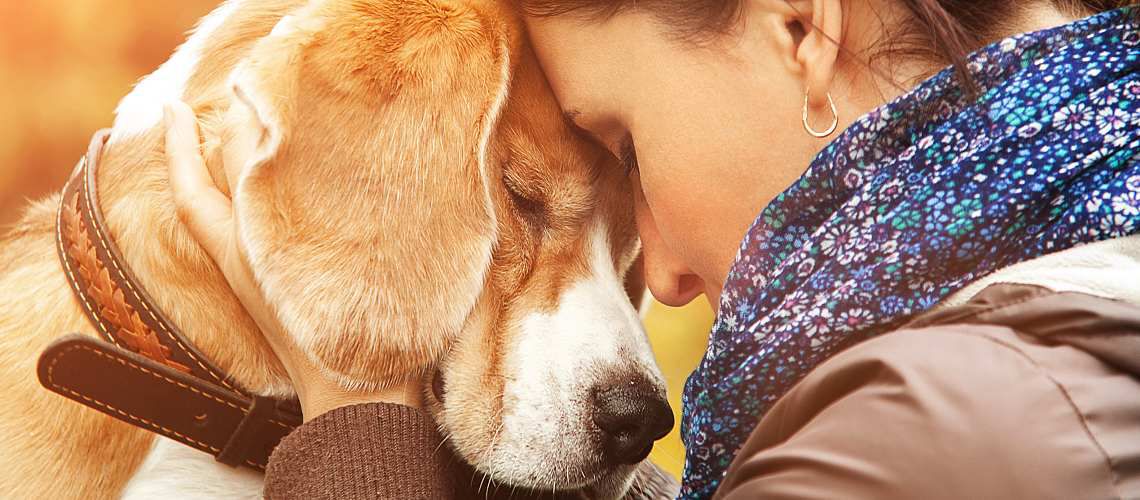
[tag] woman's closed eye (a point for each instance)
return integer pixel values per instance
(627, 154)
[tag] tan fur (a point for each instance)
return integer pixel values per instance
(418, 81)
(43, 439)
(378, 211)
(580, 185)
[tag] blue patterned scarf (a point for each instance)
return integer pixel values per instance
(911, 203)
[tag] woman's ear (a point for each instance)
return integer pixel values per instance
(809, 37)
(818, 53)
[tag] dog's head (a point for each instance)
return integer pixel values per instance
(413, 204)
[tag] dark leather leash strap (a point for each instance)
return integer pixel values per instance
(146, 373)
(236, 429)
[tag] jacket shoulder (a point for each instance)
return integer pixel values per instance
(950, 411)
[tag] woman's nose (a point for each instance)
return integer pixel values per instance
(669, 279)
(670, 283)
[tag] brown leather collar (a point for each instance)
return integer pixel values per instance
(145, 372)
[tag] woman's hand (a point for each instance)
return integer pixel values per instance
(209, 215)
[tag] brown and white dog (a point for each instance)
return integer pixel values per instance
(416, 202)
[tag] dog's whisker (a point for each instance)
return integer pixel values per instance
(637, 481)
(447, 437)
(498, 434)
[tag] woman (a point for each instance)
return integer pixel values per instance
(944, 304)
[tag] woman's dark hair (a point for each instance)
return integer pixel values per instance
(943, 31)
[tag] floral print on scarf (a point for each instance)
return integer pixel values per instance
(911, 203)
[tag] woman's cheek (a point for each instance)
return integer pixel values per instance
(664, 201)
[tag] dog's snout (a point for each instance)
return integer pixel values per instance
(631, 417)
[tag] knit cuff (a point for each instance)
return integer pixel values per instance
(375, 450)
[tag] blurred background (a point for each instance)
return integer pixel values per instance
(64, 64)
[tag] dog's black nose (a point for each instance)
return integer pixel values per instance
(631, 416)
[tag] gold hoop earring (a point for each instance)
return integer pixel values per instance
(834, 119)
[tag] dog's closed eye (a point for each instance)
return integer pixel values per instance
(530, 206)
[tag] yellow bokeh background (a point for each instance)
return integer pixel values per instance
(64, 64)
(679, 336)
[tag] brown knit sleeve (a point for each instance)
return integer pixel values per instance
(367, 451)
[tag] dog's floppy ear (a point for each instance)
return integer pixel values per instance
(366, 212)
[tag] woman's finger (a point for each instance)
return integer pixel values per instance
(208, 213)
(200, 205)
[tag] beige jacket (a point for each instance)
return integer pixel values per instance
(1024, 385)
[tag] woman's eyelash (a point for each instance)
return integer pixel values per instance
(627, 154)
